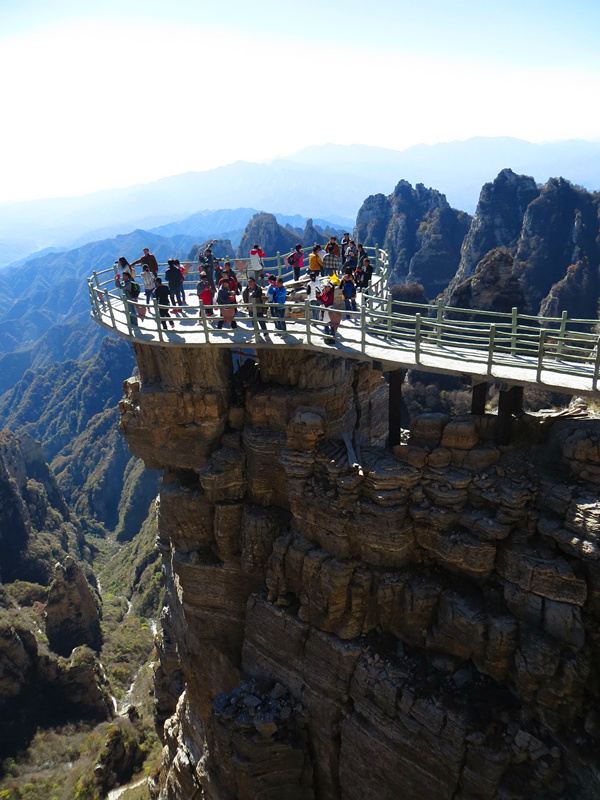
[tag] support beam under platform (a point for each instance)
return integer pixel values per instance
(510, 402)
(478, 398)
(395, 405)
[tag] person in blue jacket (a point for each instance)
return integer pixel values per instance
(277, 294)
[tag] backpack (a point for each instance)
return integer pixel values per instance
(134, 288)
(291, 259)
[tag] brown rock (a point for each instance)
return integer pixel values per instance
(426, 429)
(460, 434)
(72, 615)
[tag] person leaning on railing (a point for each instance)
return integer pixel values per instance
(131, 291)
(149, 259)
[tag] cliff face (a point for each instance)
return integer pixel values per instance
(551, 235)
(420, 231)
(347, 622)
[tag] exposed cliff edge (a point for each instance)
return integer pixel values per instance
(347, 622)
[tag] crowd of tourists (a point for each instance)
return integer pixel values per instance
(332, 277)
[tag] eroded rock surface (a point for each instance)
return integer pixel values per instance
(345, 621)
(73, 610)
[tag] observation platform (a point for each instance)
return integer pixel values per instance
(558, 354)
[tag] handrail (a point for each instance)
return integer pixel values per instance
(467, 336)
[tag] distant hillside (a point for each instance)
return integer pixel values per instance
(327, 181)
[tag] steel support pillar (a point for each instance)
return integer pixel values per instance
(478, 398)
(394, 405)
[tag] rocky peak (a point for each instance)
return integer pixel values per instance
(560, 228)
(72, 614)
(222, 248)
(420, 231)
(264, 230)
(34, 519)
(498, 218)
(311, 235)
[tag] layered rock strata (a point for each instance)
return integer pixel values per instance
(345, 621)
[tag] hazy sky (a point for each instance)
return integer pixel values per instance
(96, 95)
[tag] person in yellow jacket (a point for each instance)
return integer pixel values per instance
(315, 262)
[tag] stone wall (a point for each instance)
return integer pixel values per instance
(345, 621)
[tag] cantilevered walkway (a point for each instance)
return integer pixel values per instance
(515, 349)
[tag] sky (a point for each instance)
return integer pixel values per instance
(106, 94)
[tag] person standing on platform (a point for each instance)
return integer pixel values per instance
(175, 281)
(313, 294)
(296, 261)
(205, 294)
(253, 296)
(315, 263)
(227, 303)
(161, 293)
(349, 294)
(150, 260)
(279, 298)
(131, 292)
(256, 264)
(149, 281)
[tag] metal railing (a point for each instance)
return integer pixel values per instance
(561, 345)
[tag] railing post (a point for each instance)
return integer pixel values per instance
(279, 264)
(110, 309)
(389, 313)
(94, 300)
(159, 329)
(377, 264)
(542, 345)
(439, 320)
(363, 329)
(417, 338)
(596, 366)
(490, 360)
(561, 332)
(254, 312)
(307, 320)
(204, 322)
(514, 329)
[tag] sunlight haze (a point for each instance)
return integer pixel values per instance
(103, 95)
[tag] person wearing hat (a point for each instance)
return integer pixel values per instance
(205, 293)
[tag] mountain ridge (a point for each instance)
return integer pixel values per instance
(311, 182)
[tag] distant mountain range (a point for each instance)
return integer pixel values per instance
(329, 181)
